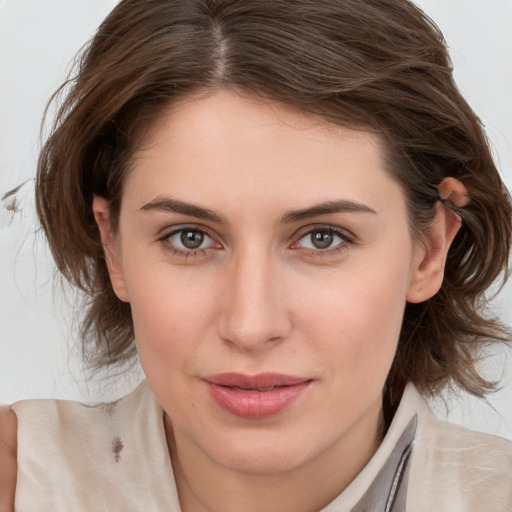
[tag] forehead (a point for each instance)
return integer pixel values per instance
(221, 147)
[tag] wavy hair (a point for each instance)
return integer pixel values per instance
(381, 65)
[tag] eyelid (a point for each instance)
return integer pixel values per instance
(166, 234)
(167, 231)
(306, 230)
(347, 236)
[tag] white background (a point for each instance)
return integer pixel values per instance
(38, 38)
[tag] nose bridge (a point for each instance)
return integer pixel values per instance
(253, 312)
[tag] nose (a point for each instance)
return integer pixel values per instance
(253, 310)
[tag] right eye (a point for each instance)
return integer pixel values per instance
(187, 241)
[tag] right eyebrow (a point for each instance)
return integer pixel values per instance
(192, 210)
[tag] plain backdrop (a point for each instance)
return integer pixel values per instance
(38, 39)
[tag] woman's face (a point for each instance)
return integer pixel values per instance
(267, 259)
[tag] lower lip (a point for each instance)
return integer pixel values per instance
(256, 404)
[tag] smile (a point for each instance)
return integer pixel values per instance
(257, 396)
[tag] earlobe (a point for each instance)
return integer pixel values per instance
(101, 210)
(427, 271)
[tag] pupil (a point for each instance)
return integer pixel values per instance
(322, 239)
(192, 239)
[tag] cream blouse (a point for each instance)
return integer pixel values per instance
(113, 457)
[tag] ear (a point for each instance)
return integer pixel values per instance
(429, 258)
(101, 210)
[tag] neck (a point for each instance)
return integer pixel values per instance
(204, 485)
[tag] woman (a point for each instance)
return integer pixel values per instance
(280, 207)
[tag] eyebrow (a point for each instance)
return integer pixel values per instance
(175, 206)
(327, 207)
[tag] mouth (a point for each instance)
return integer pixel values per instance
(255, 396)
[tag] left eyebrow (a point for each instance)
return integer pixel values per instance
(326, 208)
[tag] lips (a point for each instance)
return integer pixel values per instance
(255, 396)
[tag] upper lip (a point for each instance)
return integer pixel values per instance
(258, 381)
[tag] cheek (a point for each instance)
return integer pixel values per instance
(357, 319)
(172, 315)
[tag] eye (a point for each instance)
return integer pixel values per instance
(323, 239)
(189, 241)
(320, 239)
(190, 238)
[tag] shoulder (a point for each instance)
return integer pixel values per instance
(8, 454)
(57, 413)
(455, 445)
(472, 471)
(112, 448)
(66, 421)
(74, 434)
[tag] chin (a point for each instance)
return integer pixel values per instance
(263, 463)
(261, 454)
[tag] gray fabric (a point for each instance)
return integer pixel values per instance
(388, 492)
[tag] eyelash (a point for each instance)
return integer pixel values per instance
(346, 238)
(168, 245)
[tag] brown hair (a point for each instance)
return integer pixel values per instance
(378, 64)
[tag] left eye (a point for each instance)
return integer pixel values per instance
(189, 239)
(321, 239)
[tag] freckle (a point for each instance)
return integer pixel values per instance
(117, 447)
